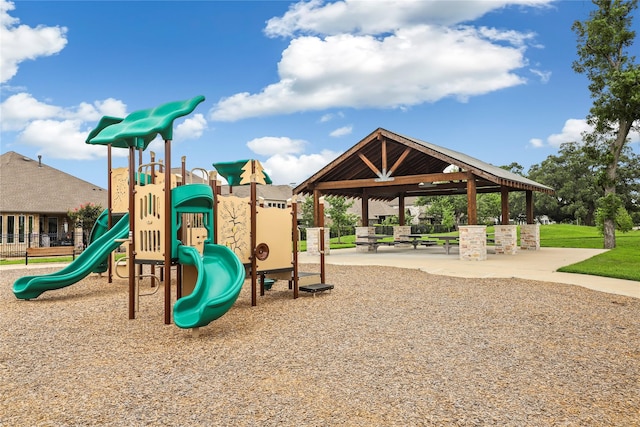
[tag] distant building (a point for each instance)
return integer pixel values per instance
(34, 201)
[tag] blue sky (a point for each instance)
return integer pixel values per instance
(293, 84)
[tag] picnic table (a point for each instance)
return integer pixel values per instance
(418, 239)
(448, 241)
(373, 241)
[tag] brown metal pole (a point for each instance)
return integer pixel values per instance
(109, 211)
(321, 237)
(183, 161)
(254, 263)
(401, 218)
(168, 238)
(152, 156)
(294, 235)
(132, 228)
(213, 183)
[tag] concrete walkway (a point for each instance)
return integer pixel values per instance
(534, 265)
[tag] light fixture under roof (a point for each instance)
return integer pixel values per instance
(426, 185)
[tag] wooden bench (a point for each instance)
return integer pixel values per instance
(49, 252)
(428, 243)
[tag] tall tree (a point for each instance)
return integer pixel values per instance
(307, 212)
(572, 174)
(603, 43)
(337, 211)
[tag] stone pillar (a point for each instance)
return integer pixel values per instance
(364, 231)
(473, 242)
(77, 237)
(399, 233)
(530, 237)
(313, 241)
(506, 239)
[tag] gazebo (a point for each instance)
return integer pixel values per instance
(385, 165)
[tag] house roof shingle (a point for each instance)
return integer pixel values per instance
(30, 186)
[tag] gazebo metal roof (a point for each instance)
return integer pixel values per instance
(386, 165)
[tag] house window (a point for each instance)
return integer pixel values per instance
(11, 226)
(21, 224)
(1, 229)
(52, 223)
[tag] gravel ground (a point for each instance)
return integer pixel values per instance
(387, 347)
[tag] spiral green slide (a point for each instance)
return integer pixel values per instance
(220, 279)
(29, 287)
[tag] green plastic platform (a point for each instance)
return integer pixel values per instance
(139, 128)
(233, 171)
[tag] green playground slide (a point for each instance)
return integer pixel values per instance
(99, 228)
(29, 287)
(220, 279)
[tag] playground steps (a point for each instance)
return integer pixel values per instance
(310, 282)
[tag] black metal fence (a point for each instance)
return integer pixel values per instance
(15, 245)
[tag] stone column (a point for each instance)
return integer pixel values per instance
(398, 232)
(77, 236)
(473, 242)
(530, 237)
(506, 239)
(364, 231)
(313, 241)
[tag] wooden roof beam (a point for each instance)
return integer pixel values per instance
(398, 180)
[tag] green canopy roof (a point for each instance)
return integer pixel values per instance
(239, 172)
(139, 128)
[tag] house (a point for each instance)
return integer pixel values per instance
(34, 201)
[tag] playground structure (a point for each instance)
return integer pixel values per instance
(213, 241)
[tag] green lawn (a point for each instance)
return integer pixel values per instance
(622, 262)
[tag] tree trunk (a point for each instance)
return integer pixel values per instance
(609, 233)
(609, 226)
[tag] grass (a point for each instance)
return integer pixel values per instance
(621, 262)
(42, 260)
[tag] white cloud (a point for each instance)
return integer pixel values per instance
(287, 168)
(413, 65)
(111, 107)
(375, 17)
(544, 76)
(536, 143)
(326, 117)
(384, 54)
(345, 130)
(60, 139)
(272, 145)
(19, 109)
(571, 132)
(58, 132)
(21, 42)
(191, 128)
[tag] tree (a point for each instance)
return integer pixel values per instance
(85, 217)
(437, 205)
(337, 211)
(489, 208)
(572, 174)
(307, 212)
(603, 43)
